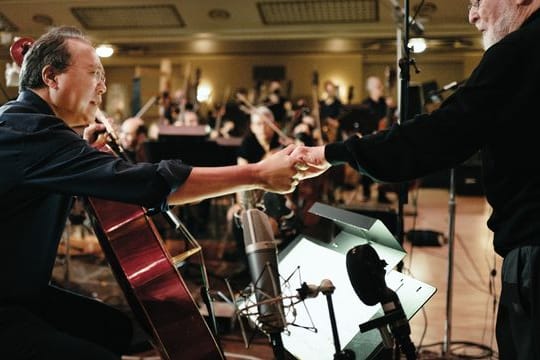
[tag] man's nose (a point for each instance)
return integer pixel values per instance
(101, 87)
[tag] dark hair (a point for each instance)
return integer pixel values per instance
(141, 130)
(49, 49)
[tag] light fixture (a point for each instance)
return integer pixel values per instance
(105, 50)
(204, 91)
(417, 45)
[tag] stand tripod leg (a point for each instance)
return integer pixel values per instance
(277, 346)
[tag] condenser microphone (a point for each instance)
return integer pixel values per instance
(262, 261)
(367, 276)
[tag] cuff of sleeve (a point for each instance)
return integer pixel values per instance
(174, 172)
(339, 153)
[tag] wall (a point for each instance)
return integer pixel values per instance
(235, 71)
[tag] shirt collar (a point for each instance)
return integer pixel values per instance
(28, 96)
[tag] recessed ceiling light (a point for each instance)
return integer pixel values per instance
(219, 14)
(43, 19)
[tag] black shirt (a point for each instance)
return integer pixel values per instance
(501, 94)
(378, 109)
(43, 164)
(251, 150)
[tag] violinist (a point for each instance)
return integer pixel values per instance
(330, 108)
(380, 106)
(276, 102)
(45, 163)
(261, 139)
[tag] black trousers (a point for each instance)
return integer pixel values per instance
(62, 325)
(518, 318)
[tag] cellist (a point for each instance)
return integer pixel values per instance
(44, 163)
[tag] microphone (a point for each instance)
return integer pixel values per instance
(261, 254)
(366, 273)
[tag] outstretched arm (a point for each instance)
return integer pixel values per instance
(277, 173)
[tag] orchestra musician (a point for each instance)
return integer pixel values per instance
(330, 109)
(276, 102)
(260, 142)
(45, 162)
(380, 109)
(500, 89)
(380, 106)
(133, 133)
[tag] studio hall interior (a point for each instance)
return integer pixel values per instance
(189, 75)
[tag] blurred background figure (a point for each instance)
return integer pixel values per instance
(330, 108)
(380, 115)
(133, 133)
(189, 118)
(381, 107)
(276, 102)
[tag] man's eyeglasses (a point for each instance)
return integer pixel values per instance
(473, 4)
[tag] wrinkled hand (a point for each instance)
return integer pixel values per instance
(279, 172)
(95, 135)
(311, 161)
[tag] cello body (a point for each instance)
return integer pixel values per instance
(151, 283)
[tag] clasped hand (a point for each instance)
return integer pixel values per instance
(283, 170)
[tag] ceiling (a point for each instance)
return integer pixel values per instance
(167, 28)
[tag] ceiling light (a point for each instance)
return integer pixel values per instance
(204, 92)
(219, 14)
(417, 45)
(105, 50)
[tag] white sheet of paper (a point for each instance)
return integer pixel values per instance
(316, 264)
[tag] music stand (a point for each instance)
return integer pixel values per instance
(325, 259)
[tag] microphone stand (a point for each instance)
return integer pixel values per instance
(404, 62)
(340, 354)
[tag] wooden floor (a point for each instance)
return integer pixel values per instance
(475, 286)
(474, 289)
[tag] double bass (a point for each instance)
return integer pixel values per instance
(145, 271)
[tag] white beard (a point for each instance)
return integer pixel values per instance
(504, 26)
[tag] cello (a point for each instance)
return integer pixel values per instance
(145, 271)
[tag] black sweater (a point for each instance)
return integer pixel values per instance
(495, 112)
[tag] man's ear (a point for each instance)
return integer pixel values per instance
(48, 74)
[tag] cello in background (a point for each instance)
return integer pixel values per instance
(146, 273)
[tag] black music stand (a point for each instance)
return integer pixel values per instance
(320, 259)
(192, 146)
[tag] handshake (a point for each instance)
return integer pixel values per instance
(282, 171)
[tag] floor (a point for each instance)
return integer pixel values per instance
(465, 320)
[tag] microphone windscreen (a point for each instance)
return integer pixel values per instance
(366, 273)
